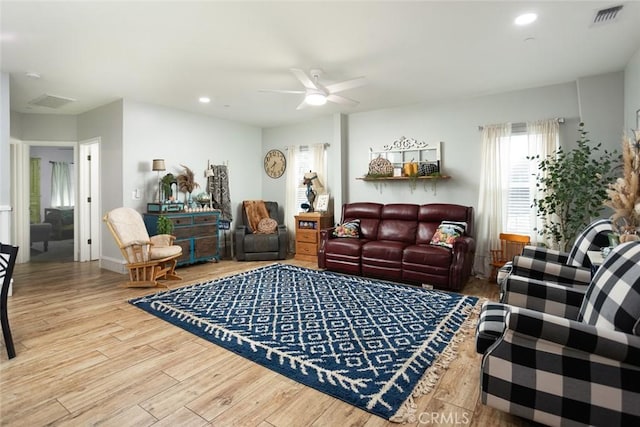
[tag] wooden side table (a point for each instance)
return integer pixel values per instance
(308, 226)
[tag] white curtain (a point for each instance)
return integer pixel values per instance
(543, 138)
(491, 206)
(62, 184)
(301, 159)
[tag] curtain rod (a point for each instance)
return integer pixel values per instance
(326, 144)
(52, 162)
(558, 119)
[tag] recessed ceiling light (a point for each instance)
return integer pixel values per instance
(526, 19)
(32, 75)
(204, 99)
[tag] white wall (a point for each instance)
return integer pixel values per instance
(601, 107)
(316, 131)
(456, 125)
(182, 138)
(632, 92)
(44, 127)
(5, 176)
(105, 122)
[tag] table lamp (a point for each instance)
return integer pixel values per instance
(158, 165)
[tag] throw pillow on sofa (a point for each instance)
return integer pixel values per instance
(348, 229)
(447, 233)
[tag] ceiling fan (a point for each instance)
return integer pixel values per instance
(316, 93)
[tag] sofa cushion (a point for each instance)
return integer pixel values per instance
(446, 234)
(367, 213)
(387, 252)
(613, 297)
(426, 255)
(348, 247)
(261, 243)
(350, 229)
(399, 222)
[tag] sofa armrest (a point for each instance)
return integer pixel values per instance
(546, 297)
(463, 252)
(545, 254)
(283, 241)
(162, 239)
(550, 271)
(239, 233)
(325, 235)
(571, 334)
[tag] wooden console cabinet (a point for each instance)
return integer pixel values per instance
(196, 233)
(308, 226)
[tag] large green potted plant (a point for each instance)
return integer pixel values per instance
(574, 186)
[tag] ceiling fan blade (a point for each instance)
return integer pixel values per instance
(342, 100)
(304, 78)
(347, 84)
(302, 105)
(281, 91)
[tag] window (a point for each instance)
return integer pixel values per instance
(518, 183)
(302, 165)
(508, 182)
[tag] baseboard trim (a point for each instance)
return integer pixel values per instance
(112, 264)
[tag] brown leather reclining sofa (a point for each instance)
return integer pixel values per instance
(394, 244)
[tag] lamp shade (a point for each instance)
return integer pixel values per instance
(158, 165)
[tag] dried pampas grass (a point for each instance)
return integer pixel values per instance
(624, 193)
(186, 180)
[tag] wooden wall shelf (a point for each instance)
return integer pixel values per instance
(402, 178)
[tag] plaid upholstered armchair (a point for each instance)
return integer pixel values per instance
(567, 356)
(571, 268)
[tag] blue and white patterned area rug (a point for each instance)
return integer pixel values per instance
(371, 343)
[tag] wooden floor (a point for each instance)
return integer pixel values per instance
(87, 357)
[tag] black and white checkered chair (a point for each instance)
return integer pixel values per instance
(568, 357)
(555, 266)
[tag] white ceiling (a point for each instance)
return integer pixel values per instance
(170, 53)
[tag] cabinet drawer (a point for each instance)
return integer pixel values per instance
(184, 232)
(308, 236)
(306, 249)
(206, 247)
(204, 230)
(202, 219)
(186, 249)
(181, 220)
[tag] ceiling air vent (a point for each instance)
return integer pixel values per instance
(609, 14)
(51, 101)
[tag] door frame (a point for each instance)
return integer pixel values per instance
(89, 186)
(20, 155)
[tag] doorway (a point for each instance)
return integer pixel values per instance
(30, 216)
(52, 201)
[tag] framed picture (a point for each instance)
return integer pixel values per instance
(323, 203)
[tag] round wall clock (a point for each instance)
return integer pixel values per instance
(275, 163)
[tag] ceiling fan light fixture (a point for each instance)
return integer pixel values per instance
(525, 19)
(316, 98)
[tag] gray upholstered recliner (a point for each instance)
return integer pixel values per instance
(253, 246)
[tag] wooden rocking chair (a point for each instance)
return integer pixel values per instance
(148, 258)
(510, 246)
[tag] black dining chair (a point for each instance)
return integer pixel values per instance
(8, 256)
